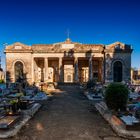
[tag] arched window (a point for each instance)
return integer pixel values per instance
(117, 71)
(18, 71)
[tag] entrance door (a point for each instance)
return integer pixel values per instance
(50, 74)
(18, 71)
(84, 73)
(68, 73)
(117, 71)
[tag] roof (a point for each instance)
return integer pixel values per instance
(118, 47)
(66, 46)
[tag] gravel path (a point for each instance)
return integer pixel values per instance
(68, 116)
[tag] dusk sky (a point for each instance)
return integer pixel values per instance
(89, 21)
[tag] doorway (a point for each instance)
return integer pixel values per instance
(117, 71)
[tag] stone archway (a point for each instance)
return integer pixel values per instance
(18, 71)
(117, 71)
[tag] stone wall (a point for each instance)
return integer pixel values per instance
(124, 58)
(27, 54)
(12, 58)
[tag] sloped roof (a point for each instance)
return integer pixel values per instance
(66, 46)
(118, 47)
(18, 47)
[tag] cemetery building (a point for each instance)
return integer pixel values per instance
(69, 62)
(2, 75)
(135, 76)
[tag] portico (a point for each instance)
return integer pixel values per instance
(65, 69)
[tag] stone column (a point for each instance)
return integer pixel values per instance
(76, 76)
(90, 69)
(100, 72)
(60, 70)
(33, 70)
(104, 65)
(46, 69)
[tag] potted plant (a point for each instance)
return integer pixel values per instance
(14, 106)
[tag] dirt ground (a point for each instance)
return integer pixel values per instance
(68, 115)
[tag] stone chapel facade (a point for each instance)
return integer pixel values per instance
(68, 62)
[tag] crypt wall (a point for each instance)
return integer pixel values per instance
(25, 59)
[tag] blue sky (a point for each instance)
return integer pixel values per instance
(89, 21)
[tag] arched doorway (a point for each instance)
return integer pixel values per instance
(117, 71)
(18, 71)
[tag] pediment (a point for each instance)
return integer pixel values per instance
(116, 46)
(18, 47)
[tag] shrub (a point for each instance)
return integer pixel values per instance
(116, 96)
(1, 81)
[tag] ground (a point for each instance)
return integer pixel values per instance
(67, 116)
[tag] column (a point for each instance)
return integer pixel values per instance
(104, 65)
(46, 69)
(104, 69)
(33, 70)
(90, 68)
(60, 70)
(76, 76)
(100, 72)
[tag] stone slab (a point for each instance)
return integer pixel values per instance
(7, 121)
(116, 124)
(27, 114)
